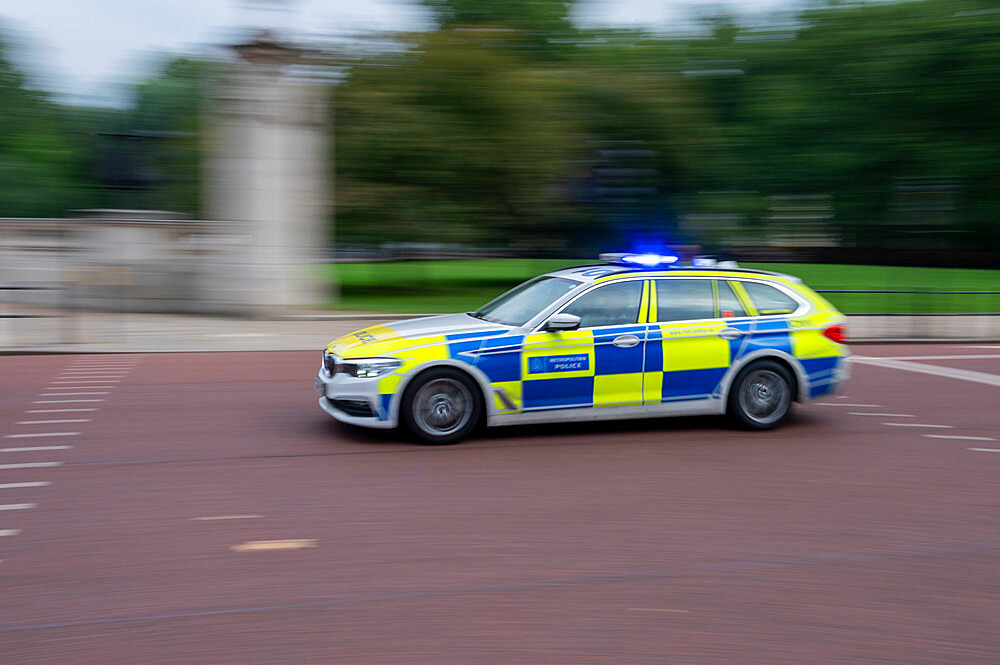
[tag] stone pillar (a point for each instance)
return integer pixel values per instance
(267, 172)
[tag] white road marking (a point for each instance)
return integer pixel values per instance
(979, 346)
(11, 486)
(918, 425)
(959, 436)
(61, 410)
(9, 532)
(986, 450)
(18, 506)
(948, 372)
(260, 545)
(47, 422)
(65, 401)
(881, 415)
(78, 381)
(227, 517)
(75, 394)
(29, 465)
(24, 450)
(858, 406)
(954, 357)
(34, 435)
(99, 386)
(240, 335)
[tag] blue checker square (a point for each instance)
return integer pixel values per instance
(772, 335)
(691, 382)
(610, 359)
(554, 393)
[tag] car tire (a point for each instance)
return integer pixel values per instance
(441, 406)
(761, 396)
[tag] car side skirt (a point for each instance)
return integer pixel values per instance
(708, 406)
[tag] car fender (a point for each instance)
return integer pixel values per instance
(484, 384)
(801, 378)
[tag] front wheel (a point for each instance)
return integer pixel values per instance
(761, 395)
(441, 406)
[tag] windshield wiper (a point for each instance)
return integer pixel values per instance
(475, 315)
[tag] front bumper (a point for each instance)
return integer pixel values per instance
(353, 401)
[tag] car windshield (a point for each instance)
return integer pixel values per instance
(520, 304)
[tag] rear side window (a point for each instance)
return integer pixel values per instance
(614, 304)
(729, 305)
(684, 299)
(769, 300)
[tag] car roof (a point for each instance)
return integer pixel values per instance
(603, 272)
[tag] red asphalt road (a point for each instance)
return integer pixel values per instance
(836, 539)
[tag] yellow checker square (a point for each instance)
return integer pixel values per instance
(558, 355)
(618, 389)
(694, 347)
(809, 341)
(388, 385)
(424, 349)
(511, 390)
(652, 387)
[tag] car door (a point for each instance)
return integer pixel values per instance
(700, 328)
(598, 365)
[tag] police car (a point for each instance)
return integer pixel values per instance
(638, 336)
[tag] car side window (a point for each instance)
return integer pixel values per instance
(614, 304)
(684, 299)
(729, 305)
(769, 300)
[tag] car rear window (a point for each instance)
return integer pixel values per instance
(769, 300)
(729, 305)
(684, 299)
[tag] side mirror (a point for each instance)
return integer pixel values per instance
(563, 321)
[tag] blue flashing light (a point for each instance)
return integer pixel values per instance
(646, 260)
(649, 260)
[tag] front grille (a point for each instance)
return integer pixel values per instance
(354, 407)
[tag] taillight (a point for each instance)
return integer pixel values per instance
(837, 334)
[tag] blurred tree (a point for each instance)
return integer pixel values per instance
(42, 170)
(542, 25)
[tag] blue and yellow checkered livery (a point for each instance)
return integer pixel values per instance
(643, 364)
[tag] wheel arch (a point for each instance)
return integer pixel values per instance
(801, 388)
(477, 376)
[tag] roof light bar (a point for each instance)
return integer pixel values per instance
(644, 260)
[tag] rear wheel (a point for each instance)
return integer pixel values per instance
(761, 395)
(441, 406)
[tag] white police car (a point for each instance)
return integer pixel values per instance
(637, 336)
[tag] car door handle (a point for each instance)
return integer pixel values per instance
(731, 333)
(625, 341)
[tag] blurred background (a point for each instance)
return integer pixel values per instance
(261, 158)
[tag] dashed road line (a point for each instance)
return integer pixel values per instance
(39, 434)
(983, 356)
(61, 410)
(12, 486)
(986, 450)
(919, 425)
(263, 545)
(75, 394)
(857, 406)
(53, 422)
(25, 450)
(960, 437)
(29, 465)
(18, 506)
(66, 401)
(881, 415)
(82, 381)
(9, 532)
(227, 517)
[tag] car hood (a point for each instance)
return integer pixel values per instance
(399, 336)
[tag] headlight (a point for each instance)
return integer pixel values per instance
(368, 368)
